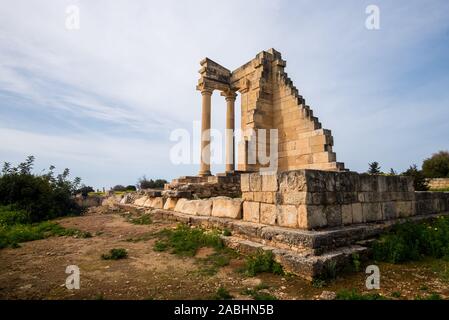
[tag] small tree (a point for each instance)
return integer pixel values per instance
(131, 188)
(437, 166)
(145, 183)
(419, 181)
(84, 190)
(393, 172)
(374, 168)
(119, 188)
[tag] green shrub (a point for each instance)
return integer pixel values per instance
(419, 181)
(43, 197)
(354, 295)
(437, 166)
(262, 261)
(115, 254)
(222, 294)
(413, 241)
(186, 241)
(144, 183)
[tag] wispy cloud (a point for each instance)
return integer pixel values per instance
(118, 85)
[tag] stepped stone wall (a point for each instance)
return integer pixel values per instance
(312, 199)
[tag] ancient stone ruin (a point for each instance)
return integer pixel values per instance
(311, 212)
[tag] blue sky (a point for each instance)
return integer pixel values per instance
(102, 100)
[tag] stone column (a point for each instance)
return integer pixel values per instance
(205, 133)
(230, 126)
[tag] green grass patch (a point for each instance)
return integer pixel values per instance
(115, 254)
(186, 241)
(222, 294)
(355, 295)
(142, 220)
(212, 263)
(414, 241)
(432, 296)
(261, 261)
(12, 235)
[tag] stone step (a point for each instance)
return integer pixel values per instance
(305, 265)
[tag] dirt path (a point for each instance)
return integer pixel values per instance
(36, 270)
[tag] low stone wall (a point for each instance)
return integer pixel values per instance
(223, 207)
(438, 183)
(207, 187)
(312, 199)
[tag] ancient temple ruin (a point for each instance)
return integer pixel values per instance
(310, 211)
(269, 100)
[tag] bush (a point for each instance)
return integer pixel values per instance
(374, 168)
(84, 190)
(437, 166)
(42, 196)
(119, 188)
(131, 188)
(222, 294)
(419, 181)
(144, 183)
(411, 241)
(115, 254)
(262, 261)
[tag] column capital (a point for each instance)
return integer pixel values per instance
(205, 90)
(229, 95)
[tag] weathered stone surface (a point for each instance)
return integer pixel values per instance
(287, 216)
(244, 182)
(346, 214)
(140, 201)
(268, 213)
(269, 182)
(357, 213)
(333, 215)
(148, 202)
(157, 202)
(227, 207)
(255, 182)
(292, 181)
(404, 209)
(371, 212)
(316, 217)
(389, 210)
(251, 211)
(170, 203)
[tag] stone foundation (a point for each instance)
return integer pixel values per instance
(227, 185)
(309, 219)
(312, 199)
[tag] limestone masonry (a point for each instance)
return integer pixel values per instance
(311, 212)
(269, 100)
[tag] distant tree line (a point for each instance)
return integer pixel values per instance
(437, 166)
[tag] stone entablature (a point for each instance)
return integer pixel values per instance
(311, 199)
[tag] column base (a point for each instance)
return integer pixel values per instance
(204, 173)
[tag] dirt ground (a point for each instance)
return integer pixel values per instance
(36, 270)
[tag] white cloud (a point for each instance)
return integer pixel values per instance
(134, 65)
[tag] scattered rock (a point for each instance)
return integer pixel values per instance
(328, 295)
